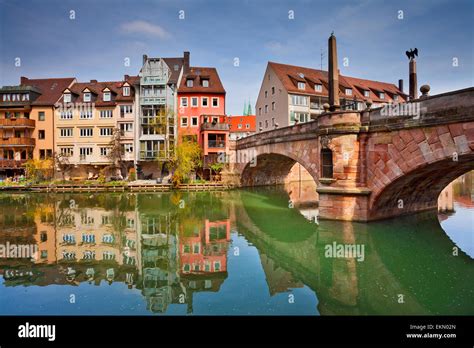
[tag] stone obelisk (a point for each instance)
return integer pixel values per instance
(333, 74)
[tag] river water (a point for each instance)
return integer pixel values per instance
(255, 251)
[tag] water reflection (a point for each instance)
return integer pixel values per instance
(237, 252)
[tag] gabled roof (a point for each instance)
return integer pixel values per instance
(98, 88)
(198, 74)
(289, 75)
(172, 63)
(51, 89)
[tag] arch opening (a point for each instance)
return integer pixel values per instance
(419, 190)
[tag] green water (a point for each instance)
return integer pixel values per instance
(237, 252)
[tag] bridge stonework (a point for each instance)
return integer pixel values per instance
(382, 166)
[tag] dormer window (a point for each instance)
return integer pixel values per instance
(67, 97)
(126, 91)
(205, 83)
(106, 96)
(366, 93)
(189, 83)
(318, 88)
(87, 97)
(348, 91)
(381, 95)
(395, 97)
(301, 85)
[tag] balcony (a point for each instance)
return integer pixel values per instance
(153, 80)
(18, 142)
(214, 126)
(216, 144)
(152, 155)
(17, 123)
(152, 100)
(11, 164)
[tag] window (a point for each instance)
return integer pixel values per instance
(205, 101)
(126, 91)
(266, 94)
(395, 97)
(260, 125)
(125, 109)
(189, 83)
(104, 151)
(65, 132)
(273, 121)
(87, 97)
(239, 126)
(106, 96)
(86, 114)
(41, 134)
(302, 117)
(205, 83)
(299, 100)
(42, 154)
(247, 126)
(86, 132)
(301, 85)
(318, 88)
(106, 114)
(266, 123)
(194, 102)
(259, 111)
(326, 163)
(85, 151)
(66, 151)
(266, 108)
(104, 132)
(217, 266)
(127, 148)
(348, 91)
(366, 93)
(67, 98)
(66, 115)
(215, 102)
(382, 95)
(273, 105)
(184, 121)
(194, 121)
(273, 90)
(126, 127)
(184, 102)
(41, 116)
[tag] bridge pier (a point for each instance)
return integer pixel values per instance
(343, 203)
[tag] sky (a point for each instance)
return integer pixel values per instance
(99, 38)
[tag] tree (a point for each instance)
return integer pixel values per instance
(115, 154)
(39, 170)
(162, 123)
(61, 162)
(187, 158)
(216, 168)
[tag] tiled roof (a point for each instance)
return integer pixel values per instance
(198, 74)
(97, 91)
(51, 89)
(175, 65)
(235, 120)
(290, 75)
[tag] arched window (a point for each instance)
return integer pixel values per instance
(326, 163)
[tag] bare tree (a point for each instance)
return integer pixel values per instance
(116, 154)
(61, 162)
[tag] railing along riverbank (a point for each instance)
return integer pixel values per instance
(117, 188)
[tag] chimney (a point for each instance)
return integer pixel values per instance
(413, 80)
(23, 80)
(186, 61)
(126, 77)
(333, 74)
(93, 81)
(145, 57)
(400, 85)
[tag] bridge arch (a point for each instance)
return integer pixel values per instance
(273, 168)
(414, 185)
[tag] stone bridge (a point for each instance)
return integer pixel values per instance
(378, 163)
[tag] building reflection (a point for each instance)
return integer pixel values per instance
(104, 243)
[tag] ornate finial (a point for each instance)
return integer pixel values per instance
(332, 33)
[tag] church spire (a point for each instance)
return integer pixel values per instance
(245, 109)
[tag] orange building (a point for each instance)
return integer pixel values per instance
(241, 126)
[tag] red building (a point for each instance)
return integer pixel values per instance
(201, 111)
(241, 126)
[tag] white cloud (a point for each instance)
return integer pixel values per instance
(145, 28)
